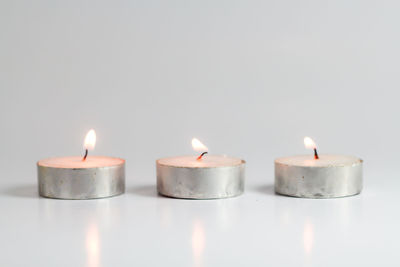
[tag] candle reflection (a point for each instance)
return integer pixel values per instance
(93, 246)
(198, 243)
(308, 237)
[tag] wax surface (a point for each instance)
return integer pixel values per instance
(323, 161)
(77, 162)
(208, 161)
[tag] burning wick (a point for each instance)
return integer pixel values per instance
(202, 154)
(198, 146)
(90, 142)
(86, 152)
(310, 144)
(315, 154)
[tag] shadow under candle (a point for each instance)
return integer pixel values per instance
(22, 191)
(144, 190)
(268, 189)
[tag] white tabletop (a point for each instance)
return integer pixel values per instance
(258, 228)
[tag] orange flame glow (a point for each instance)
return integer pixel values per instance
(93, 246)
(198, 243)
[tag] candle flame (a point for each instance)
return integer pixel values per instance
(309, 143)
(90, 140)
(198, 146)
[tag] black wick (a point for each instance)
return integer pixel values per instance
(84, 157)
(202, 154)
(315, 154)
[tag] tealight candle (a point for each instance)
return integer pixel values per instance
(200, 177)
(84, 177)
(318, 176)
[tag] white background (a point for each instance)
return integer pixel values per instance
(248, 78)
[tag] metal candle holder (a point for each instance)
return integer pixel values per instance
(200, 183)
(81, 183)
(330, 181)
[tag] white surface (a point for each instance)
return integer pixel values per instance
(256, 229)
(248, 78)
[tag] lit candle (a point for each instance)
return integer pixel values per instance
(81, 177)
(318, 176)
(200, 177)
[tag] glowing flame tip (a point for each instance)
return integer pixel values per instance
(198, 146)
(309, 143)
(90, 140)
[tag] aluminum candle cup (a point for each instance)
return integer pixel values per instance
(208, 178)
(72, 178)
(329, 176)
